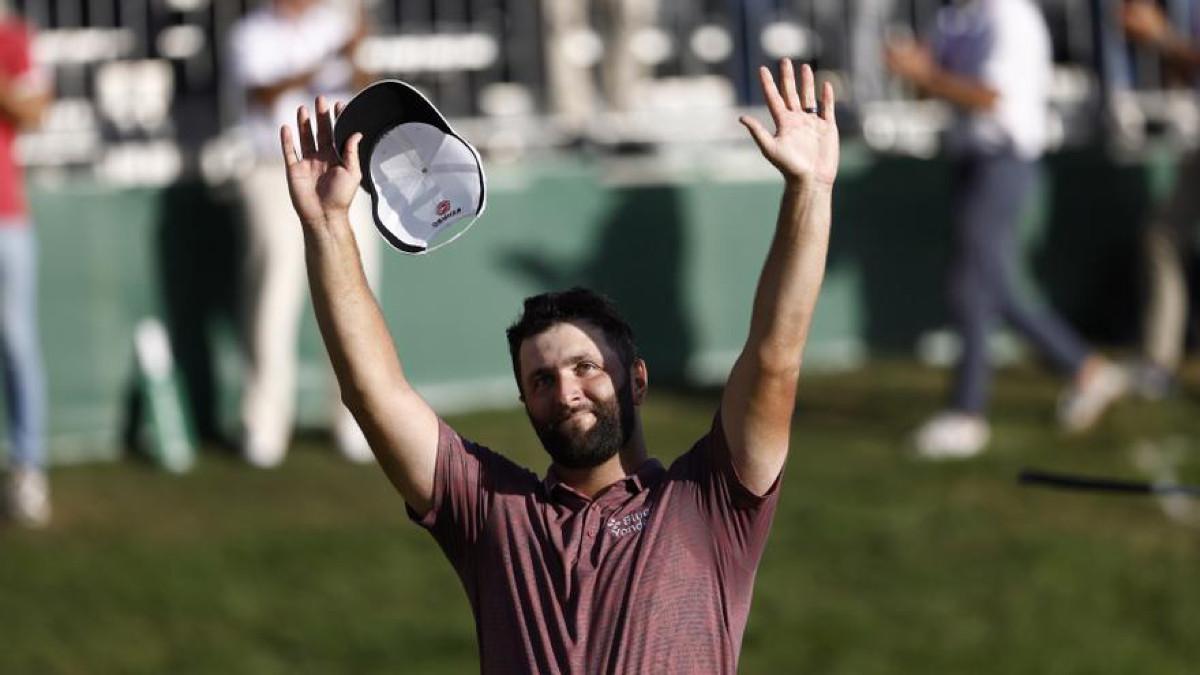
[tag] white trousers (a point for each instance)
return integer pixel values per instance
(1168, 243)
(572, 92)
(273, 299)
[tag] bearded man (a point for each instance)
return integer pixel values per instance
(611, 563)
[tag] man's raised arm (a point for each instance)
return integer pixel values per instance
(401, 427)
(756, 407)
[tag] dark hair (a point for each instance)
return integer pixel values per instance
(542, 312)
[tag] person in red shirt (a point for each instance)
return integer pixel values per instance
(611, 563)
(23, 99)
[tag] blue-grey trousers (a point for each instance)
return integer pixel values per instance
(24, 378)
(991, 193)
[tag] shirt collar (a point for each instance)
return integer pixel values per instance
(646, 476)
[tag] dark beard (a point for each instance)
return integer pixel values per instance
(610, 433)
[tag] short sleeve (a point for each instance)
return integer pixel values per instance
(466, 477)
(1018, 63)
(738, 519)
(262, 50)
(247, 64)
(18, 62)
(17, 56)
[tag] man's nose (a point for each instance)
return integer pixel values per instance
(569, 393)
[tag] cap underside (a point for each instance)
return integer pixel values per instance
(426, 181)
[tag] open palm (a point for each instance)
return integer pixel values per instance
(805, 144)
(321, 183)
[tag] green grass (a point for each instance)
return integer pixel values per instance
(877, 563)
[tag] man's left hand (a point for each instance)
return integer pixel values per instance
(805, 144)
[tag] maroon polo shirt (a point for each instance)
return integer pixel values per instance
(653, 575)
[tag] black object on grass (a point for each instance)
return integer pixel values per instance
(1094, 484)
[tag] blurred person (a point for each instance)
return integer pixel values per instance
(749, 19)
(1169, 236)
(1112, 58)
(611, 562)
(991, 60)
(872, 21)
(572, 89)
(283, 54)
(24, 96)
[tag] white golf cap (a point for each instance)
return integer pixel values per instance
(426, 182)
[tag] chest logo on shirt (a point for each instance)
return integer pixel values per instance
(628, 524)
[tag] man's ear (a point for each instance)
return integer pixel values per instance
(639, 380)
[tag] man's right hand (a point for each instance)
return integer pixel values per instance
(321, 184)
(401, 427)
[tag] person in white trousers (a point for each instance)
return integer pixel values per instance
(572, 90)
(282, 54)
(1168, 239)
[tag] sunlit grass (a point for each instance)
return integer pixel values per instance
(878, 563)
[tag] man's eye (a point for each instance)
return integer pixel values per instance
(586, 367)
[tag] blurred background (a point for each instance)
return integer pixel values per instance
(131, 178)
(145, 97)
(651, 192)
(148, 81)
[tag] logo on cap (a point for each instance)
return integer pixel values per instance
(443, 207)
